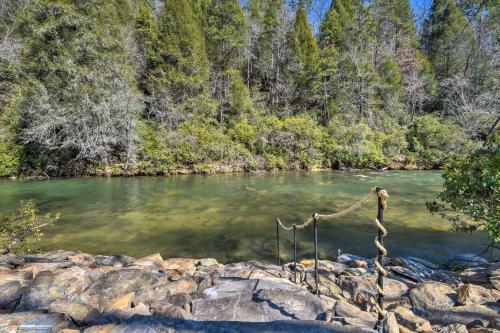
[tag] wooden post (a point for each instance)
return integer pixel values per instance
(380, 259)
(294, 253)
(278, 241)
(316, 276)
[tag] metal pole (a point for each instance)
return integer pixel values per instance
(278, 241)
(316, 254)
(380, 258)
(294, 254)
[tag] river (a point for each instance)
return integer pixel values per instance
(232, 216)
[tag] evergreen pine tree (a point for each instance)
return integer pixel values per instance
(306, 54)
(446, 39)
(183, 67)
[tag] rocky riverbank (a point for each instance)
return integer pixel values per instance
(77, 292)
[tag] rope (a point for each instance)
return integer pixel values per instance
(329, 216)
(384, 196)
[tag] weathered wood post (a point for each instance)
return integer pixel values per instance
(278, 241)
(294, 253)
(316, 276)
(380, 259)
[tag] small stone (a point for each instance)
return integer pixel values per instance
(81, 259)
(470, 293)
(454, 328)
(433, 296)
(170, 311)
(207, 262)
(122, 302)
(408, 319)
(183, 266)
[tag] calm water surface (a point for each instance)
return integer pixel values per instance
(232, 217)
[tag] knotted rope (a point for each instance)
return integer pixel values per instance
(329, 216)
(384, 196)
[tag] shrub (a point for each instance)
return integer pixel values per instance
(472, 192)
(20, 230)
(437, 142)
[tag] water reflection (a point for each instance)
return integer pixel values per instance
(231, 217)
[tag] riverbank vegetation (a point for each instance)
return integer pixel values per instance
(158, 87)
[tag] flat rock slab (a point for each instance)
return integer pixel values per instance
(433, 296)
(32, 322)
(145, 324)
(257, 301)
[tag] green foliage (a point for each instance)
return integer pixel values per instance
(21, 230)
(10, 158)
(437, 142)
(152, 87)
(472, 192)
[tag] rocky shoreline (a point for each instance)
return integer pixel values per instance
(65, 291)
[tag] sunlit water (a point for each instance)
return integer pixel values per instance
(232, 217)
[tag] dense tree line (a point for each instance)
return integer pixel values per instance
(155, 86)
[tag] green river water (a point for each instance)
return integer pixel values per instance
(232, 217)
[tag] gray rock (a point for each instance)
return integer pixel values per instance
(118, 283)
(454, 328)
(358, 289)
(151, 325)
(447, 277)
(257, 300)
(10, 295)
(32, 322)
(348, 310)
(474, 294)
(471, 314)
(350, 258)
(254, 270)
(469, 259)
(80, 313)
(477, 275)
(425, 273)
(424, 262)
(407, 273)
(408, 319)
(170, 311)
(433, 296)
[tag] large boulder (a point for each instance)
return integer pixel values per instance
(408, 319)
(467, 315)
(254, 270)
(433, 296)
(10, 295)
(121, 282)
(257, 300)
(347, 310)
(474, 294)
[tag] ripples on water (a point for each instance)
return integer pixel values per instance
(232, 217)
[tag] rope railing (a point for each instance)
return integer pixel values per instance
(382, 197)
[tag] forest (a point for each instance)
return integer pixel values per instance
(156, 87)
